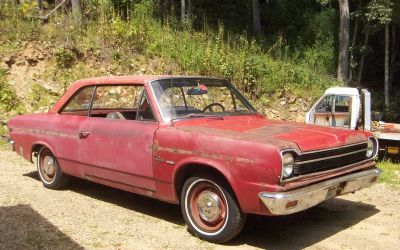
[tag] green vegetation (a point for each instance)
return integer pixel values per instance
(8, 98)
(111, 43)
(391, 173)
(295, 56)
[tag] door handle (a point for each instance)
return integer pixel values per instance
(83, 134)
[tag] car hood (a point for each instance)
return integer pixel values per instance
(280, 133)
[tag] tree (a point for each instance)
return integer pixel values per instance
(186, 10)
(256, 17)
(183, 10)
(76, 11)
(344, 40)
(380, 11)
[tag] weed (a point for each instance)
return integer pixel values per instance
(391, 173)
(8, 98)
(41, 98)
(64, 57)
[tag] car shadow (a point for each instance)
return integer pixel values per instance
(149, 206)
(294, 231)
(22, 227)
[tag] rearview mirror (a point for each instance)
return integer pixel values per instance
(201, 89)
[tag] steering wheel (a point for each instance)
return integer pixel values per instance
(209, 106)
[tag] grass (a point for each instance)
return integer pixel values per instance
(390, 174)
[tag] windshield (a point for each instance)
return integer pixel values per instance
(192, 97)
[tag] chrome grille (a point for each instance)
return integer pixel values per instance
(311, 162)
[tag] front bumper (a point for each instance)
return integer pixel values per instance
(11, 144)
(293, 201)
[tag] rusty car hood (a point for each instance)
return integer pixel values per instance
(282, 134)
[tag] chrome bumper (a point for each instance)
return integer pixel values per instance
(293, 201)
(11, 144)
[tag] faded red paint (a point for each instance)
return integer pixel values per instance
(146, 157)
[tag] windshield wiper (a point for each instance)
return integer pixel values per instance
(191, 116)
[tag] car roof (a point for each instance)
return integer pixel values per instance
(342, 91)
(110, 80)
(135, 79)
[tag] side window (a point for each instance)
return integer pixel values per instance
(325, 105)
(117, 97)
(80, 102)
(342, 104)
(123, 102)
(145, 112)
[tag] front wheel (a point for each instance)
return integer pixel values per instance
(210, 210)
(49, 170)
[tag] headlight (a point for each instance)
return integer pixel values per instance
(287, 165)
(371, 148)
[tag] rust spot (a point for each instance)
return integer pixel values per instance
(155, 146)
(244, 160)
(205, 155)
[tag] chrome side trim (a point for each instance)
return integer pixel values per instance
(309, 196)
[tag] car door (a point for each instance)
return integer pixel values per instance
(331, 110)
(64, 128)
(117, 139)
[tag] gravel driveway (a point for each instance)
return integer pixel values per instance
(90, 216)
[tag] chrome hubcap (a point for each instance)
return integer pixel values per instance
(49, 165)
(209, 205)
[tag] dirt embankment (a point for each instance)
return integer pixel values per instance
(34, 63)
(87, 215)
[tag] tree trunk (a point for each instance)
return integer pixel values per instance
(394, 55)
(189, 9)
(353, 43)
(76, 11)
(183, 10)
(364, 54)
(40, 4)
(387, 41)
(256, 17)
(343, 64)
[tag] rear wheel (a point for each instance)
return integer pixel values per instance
(210, 210)
(49, 170)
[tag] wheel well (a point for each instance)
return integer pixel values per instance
(199, 170)
(35, 150)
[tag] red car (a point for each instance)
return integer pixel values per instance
(193, 141)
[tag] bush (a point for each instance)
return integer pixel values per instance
(8, 98)
(64, 57)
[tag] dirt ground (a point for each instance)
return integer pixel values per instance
(91, 216)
